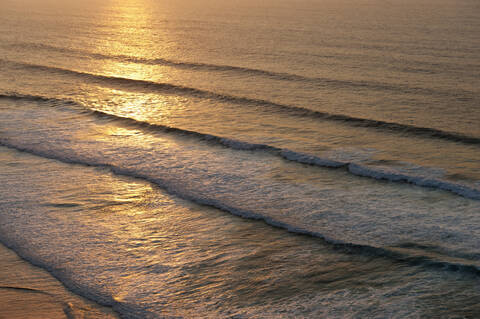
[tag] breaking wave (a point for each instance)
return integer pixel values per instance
(354, 168)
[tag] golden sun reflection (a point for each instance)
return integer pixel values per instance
(140, 106)
(132, 32)
(120, 131)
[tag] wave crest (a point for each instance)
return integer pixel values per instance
(290, 155)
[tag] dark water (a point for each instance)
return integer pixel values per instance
(136, 135)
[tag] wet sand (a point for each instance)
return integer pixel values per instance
(30, 292)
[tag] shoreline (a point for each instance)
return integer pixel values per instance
(28, 292)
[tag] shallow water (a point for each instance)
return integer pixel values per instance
(216, 159)
(127, 243)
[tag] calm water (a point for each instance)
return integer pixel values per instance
(238, 159)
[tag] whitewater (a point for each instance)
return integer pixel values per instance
(246, 160)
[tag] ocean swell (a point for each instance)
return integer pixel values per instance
(379, 173)
(167, 88)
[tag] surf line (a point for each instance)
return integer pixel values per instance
(286, 154)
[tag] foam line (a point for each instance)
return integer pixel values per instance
(346, 247)
(353, 168)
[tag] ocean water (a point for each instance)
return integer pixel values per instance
(246, 159)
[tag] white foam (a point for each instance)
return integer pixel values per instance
(328, 203)
(420, 180)
(310, 159)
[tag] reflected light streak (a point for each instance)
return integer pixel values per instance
(135, 32)
(139, 106)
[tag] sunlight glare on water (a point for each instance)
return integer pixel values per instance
(246, 159)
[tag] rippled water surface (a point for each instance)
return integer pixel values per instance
(243, 159)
